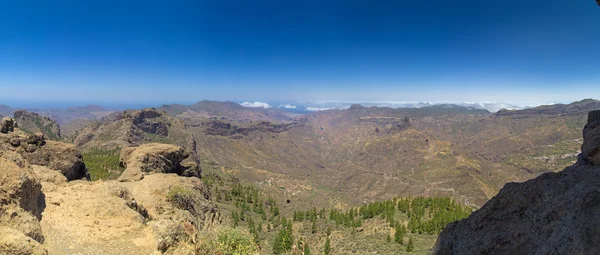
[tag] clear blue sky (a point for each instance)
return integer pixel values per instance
(184, 51)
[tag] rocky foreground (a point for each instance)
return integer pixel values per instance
(555, 213)
(48, 207)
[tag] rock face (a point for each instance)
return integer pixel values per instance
(57, 156)
(555, 213)
(33, 122)
(21, 206)
(155, 158)
(590, 149)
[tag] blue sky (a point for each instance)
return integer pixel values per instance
(185, 51)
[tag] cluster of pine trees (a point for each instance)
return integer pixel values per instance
(431, 214)
(101, 163)
(425, 216)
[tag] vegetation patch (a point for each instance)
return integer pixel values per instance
(103, 164)
(395, 226)
(227, 240)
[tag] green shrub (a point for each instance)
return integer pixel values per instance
(180, 197)
(232, 241)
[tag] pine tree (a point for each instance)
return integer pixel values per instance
(410, 246)
(306, 249)
(327, 248)
(284, 240)
(399, 236)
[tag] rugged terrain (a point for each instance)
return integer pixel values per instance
(226, 110)
(360, 154)
(32, 122)
(45, 207)
(555, 213)
(345, 180)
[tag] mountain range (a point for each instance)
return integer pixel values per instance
(362, 154)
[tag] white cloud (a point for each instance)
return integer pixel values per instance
(287, 106)
(494, 107)
(315, 109)
(256, 105)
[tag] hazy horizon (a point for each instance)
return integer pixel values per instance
(301, 107)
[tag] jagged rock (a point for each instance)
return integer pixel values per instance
(6, 125)
(591, 139)
(555, 213)
(191, 144)
(154, 158)
(34, 149)
(60, 157)
(21, 199)
(38, 139)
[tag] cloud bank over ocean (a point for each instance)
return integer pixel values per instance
(315, 106)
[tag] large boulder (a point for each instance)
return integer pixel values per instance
(155, 158)
(21, 205)
(34, 149)
(555, 213)
(61, 157)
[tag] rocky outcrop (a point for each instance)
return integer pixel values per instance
(13, 242)
(36, 150)
(155, 158)
(131, 128)
(125, 218)
(6, 125)
(32, 122)
(590, 150)
(555, 213)
(21, 205)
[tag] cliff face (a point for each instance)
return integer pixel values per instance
(555, 213)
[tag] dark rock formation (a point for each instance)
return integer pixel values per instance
(590, 150)
(6, 125)
(555, 213)
(220, 128)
